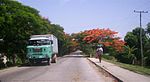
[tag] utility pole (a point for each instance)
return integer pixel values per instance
(141, 42)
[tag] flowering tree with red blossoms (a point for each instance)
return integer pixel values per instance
(106, 37)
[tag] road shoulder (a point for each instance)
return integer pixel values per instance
(120, 73)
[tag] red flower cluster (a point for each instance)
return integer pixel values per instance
(106, 37)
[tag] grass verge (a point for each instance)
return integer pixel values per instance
(134, 68)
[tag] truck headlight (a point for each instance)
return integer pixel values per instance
(28, 56)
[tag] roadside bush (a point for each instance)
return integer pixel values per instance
(122, 57)
(108, 57)
(9, 64)
(18, 61)
(2, 65)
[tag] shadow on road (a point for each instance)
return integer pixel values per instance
(33, 65)
(75, 56)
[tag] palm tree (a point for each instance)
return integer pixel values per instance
(129, 50)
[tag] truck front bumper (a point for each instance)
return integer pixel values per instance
(38, 59)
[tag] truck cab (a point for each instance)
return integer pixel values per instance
(41, 48)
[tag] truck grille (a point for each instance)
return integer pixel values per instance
(37, 50)
(37, 54)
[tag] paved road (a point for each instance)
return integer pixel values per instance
(67, 69)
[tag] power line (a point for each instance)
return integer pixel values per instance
(141, 42)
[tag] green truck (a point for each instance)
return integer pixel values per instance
(42, 48)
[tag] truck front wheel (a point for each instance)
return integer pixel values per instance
(48, 61)
(31, 62)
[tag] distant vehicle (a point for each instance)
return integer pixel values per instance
(42, 48)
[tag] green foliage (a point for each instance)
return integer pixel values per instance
(9, 64)
(87, 48)
(131, 39)
(2, 65)
(110, 50)
(108, 57)
(132, 51)
(128, 55)
(148, 28)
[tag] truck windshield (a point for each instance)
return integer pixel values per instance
(39, 42)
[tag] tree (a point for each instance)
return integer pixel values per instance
(89, 39)
(148, 28)
(133, 40)
(105, 37)
(147, 45)
(17, 23)
(82, 45)
(130, 53)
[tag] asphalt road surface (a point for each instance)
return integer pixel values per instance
(72, 68)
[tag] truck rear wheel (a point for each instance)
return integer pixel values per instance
(54, 58)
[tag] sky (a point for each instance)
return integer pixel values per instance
(79, 15)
